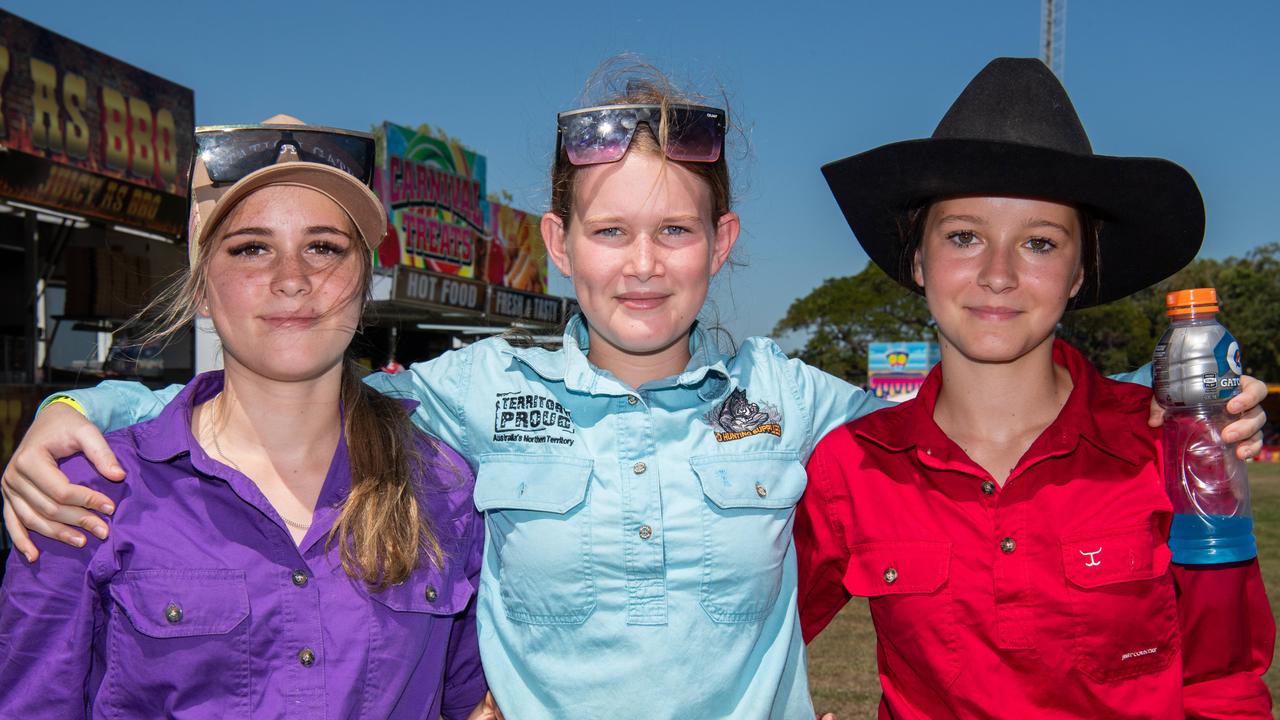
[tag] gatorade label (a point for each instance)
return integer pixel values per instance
(1227, 353)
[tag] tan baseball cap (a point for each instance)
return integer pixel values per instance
(210, 204)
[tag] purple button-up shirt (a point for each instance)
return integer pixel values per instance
(200, 605)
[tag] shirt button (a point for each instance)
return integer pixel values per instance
(173, 613)
(639, 468)
(646, 532)
(431, 594)
(1008, 545)
(632, 399)
(988, 487)
(307, 657)
(761, 490)
(890, 576)
(299, 578)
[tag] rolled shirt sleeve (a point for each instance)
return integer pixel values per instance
(116, 404)
(1228, 636)
(821, 540)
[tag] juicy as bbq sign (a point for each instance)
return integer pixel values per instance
(88, 134)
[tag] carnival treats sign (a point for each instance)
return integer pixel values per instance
(517, 256)
(88, 134)
(434, 192)
(896, 370)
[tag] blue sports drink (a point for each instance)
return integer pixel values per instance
(1196, 371)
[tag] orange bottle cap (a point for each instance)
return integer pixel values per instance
(1188, 302)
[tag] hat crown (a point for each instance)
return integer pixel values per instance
(1016, 100)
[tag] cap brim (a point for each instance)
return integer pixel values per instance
(1151, 210)
(354, 197)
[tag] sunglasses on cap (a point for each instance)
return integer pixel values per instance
(594, 135)
(230, 152)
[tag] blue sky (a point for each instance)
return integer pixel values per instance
(809, 82)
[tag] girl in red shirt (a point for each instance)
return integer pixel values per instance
(1009, 526)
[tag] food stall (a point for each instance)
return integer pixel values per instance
(94, 159)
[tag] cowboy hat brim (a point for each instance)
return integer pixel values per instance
(1151, 211)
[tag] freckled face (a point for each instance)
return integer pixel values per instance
(998, 272)
(641, 247)
(285, 285)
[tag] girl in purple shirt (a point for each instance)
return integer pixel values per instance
(290, 546)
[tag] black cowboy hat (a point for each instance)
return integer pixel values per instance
(1014, 131)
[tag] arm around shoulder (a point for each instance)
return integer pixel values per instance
(440, 387)
(116, 404)
(827, 401)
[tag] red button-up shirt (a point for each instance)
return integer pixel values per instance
(1050, 597)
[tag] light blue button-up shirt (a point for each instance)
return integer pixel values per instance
(638, 558)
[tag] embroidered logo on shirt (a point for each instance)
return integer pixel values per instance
(526, 417)
(737, 418)
(1093, 560)
(1138, 653)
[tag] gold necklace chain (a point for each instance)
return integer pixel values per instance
(213, 435)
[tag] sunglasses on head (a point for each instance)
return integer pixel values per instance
(594, 135)
(230, 152)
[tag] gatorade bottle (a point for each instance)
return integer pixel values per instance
(1196, 371)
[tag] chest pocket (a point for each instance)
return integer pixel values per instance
(178, 637)
(1123, 605)
(908, 586)
(415, 619)
(747, 518)
(538, 526)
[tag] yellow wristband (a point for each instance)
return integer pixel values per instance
(67, 400)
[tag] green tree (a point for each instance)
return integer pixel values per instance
(1249, 292)
(842, 315)
(1116, 337)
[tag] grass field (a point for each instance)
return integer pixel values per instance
(842, 661)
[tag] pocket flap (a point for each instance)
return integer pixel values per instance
(897, 567)
(434, 591)
(770, 479)
(182, 603)
(1105, 557)
(513, 481)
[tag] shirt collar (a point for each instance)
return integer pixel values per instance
(168, 435)
(705, 371)
(1092, 412)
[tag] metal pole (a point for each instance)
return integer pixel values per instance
(31, 280)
